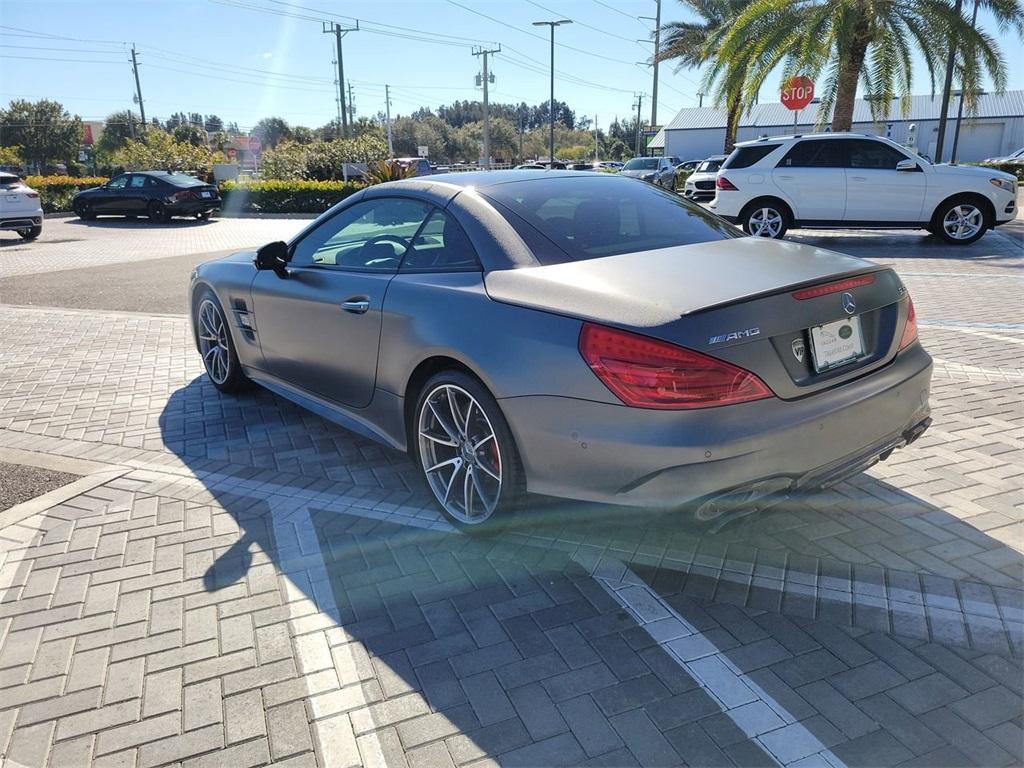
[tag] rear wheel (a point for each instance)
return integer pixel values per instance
(30, 233)
(158, 212)
(765, 218)
(960, 221)
(466, 451)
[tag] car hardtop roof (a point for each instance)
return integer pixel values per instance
(791, 136)
(483, 179)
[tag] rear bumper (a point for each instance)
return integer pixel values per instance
(607, 453)
(22, 220)
(192, 207)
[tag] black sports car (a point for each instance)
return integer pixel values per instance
(156, 194)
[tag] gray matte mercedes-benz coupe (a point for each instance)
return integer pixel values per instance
(573, 334)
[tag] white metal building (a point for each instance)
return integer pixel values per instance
(996, 129)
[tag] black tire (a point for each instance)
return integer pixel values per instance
(31, 233)
(84, 211)
(234, 380)
(766, 210)
(962, 202)
(505, 456)
(158, 212)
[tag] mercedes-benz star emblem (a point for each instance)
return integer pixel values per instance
(849, 304)
(798, 350)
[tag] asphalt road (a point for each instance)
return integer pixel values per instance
(157, 286)
(20, 483)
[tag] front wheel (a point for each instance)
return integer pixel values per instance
(216, 345)
(765, 219)
(466, 451)
(30, 233)
(960, 221)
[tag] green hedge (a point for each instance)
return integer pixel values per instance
(1017, 169)
(56, 192)
(275, 196)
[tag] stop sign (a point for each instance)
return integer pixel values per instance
(255, 145)
(797, 92)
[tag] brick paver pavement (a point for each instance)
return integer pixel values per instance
(246, 583)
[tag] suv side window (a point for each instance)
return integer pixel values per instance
(441, 246)
(867, 154)
(744, 157)
(816, 153)
(370, 236)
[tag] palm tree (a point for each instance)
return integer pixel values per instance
(864, 42)
(693, 44)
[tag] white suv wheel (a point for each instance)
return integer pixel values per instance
(765, 221)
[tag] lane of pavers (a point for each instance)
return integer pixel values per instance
(261, 581)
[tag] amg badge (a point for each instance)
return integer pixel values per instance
(735, 336)
(798, 350)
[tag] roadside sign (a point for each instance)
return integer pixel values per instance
(87, 135)
(231, 152)
(255, 145)
(797, 92)
(422, 151)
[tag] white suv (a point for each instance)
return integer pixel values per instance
(857, 180)
(20, 208)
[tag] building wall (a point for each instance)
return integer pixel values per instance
(981, 138)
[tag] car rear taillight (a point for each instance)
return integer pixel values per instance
(910, 329)
(32, 194)
(827, 288)
(723, 183)
(646, 373)
(185, 194)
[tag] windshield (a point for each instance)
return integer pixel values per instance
(592, 216)
(709, 166)
(641, 164)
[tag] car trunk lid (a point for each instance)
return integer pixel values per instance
(732, 299)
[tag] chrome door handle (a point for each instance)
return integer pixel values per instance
(786, 178)
(356, 306)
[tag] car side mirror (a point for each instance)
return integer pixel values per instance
(907, 165)
(272, 256)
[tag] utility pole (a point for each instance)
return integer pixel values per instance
(597, 150)
(639, 106)
(551, 103)
(339, 32)
(138, 88)
(657, 50)
(487, 122)
(351, 105)
(960, 106)
(387, 111)
(946, 88)
(700, 99)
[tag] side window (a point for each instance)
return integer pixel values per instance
(137, 182)
(152, 183)
(441, 246)
(873, 155)
(371, 236)
(744, 157)
(819, 153)
(118, 182)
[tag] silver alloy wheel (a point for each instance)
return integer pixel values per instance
(765, 222)
(963, 221)
(213, 341)
(460, 454)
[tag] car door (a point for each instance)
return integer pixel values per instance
(319, 327)
(875, 190)
(134, 198)
(812, 177)
(108, 198)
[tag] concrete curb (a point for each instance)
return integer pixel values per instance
(40, 504)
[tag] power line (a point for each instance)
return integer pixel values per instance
(581, 23)
(617, 10)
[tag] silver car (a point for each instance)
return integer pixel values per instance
(573, 334)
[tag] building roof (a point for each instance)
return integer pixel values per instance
(774, 115)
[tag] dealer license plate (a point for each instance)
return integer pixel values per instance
(207, 194)
(836, 344)
(12, 198)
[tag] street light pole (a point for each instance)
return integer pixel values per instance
(657, 50)
(551, 103)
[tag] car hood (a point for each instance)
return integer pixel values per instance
(652, 288)
(702, 176)
(972, 171)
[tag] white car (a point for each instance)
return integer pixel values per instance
(840, 180)
(701, 183)
(20, 207)
(1013, 157)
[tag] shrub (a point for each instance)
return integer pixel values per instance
(320, 160)
(56, 192)
(388, 170)
(1017, 169)
(284, 196)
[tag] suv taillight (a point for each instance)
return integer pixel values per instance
(723, 183)
(910, 329)
(646, 373)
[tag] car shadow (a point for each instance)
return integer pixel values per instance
(124, 222)
(886, 245)
(521, 646)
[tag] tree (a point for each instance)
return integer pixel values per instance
(692, 44)
(158, 150)
(44, 130)
(191, 134)
(272, 130)
(118, 128)
(863, 42)
(302, 134)
(212, 124)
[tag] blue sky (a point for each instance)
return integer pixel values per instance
(243, 59)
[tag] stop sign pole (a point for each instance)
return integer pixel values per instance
(797, 93)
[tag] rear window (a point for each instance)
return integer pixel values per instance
(709, 166)
(744, 157)
(181, 180)
(588, 217)
(641, 164)
(9, 180)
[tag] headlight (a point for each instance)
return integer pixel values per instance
(1006, 184)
